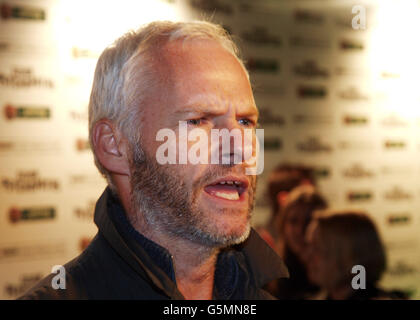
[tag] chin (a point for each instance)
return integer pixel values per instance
(222, 223)
(236, 236)
(223, 236)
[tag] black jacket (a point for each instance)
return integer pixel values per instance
(120, 263)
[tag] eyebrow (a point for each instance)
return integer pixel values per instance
(214, 111)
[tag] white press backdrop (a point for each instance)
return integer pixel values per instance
(341, 99)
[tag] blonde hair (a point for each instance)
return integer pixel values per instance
(126, 73)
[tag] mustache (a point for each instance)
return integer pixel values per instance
(216, 171)
(142, 163)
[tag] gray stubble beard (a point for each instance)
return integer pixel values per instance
(168, 206)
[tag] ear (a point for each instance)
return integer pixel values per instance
(110, 149)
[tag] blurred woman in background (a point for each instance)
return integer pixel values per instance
(282, 180)
(337, 243)
(299, 208)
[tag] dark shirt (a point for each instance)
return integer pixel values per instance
(297, 286)
(120, 263)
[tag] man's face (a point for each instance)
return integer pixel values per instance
(295, 225)
(211, 204)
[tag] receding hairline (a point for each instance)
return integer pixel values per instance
(167, 55)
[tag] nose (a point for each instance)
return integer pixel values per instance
(235, 143)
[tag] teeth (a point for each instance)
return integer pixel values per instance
(237, 183)
(229, 196)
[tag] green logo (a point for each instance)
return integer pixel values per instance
(32, 213)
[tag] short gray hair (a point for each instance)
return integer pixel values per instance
(125, 73)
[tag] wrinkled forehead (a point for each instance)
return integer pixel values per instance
(200, 57)
(194, 53)
(203, 68)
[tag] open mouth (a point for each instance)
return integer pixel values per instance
(228, 188)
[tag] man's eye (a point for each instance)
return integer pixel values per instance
(246, 122)
(195, 122)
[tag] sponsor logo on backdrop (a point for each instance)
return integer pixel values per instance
(312, 119)
(322, 172)
(24, 78)
(305, 42)
(389, 75)
(355, 145)
(350, 71)
(351, 120)
(88, 180)
(267, 65)
(84, 242)
(400, 245)
(397, 194)
(311, 92)
(397, 170)
(399, 218)
(81, 116)
(272, 89)
(26, 281)
(78, 53)
(261, 35)
(26, 112)
(401, 268)
(392, 144)
(32, 250)
(308, 16)
(310, 69)
(359, 196)
(29, 181)
(21, 12)
(393, 121)
(347, 44)
(267, 118)
(357, 171)
(82, 144)
(14, 146)
(31, 213)
(272, 143)
(344, 21)
(25, 48)
(352, 93)
(258, 8)
(313, 145)
(85, 212)
(212, 6)
(72, 80)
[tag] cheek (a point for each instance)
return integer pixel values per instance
(295, 231)
(288, 231)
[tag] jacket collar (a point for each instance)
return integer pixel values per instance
(154, 263)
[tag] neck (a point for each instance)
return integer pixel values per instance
(194, 270)
(194, 264)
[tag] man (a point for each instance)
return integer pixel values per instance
(165, 230)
